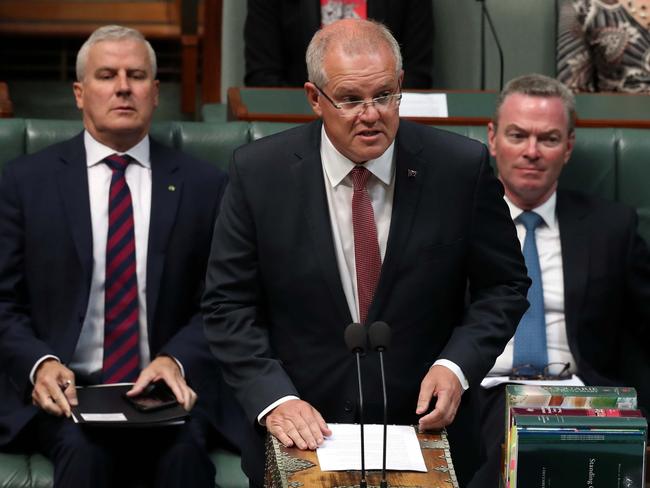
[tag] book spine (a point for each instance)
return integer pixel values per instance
(578, 412)
(570, 421)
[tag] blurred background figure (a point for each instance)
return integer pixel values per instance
(604, 45)
(277, 32)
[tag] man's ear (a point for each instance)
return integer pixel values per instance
(78, 90)
(492, 134)
(156, 87)
(313, 97)
(570, 145)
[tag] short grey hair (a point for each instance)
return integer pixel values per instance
(365, 37)
(112, 33)
(536, 85)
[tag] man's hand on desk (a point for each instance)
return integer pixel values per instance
(442, 383)
(54, 388)
(296, 422)
(166, 369)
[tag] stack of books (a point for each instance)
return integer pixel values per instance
(574, 436)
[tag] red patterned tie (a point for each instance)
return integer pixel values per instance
(121, 329)
(366, 244)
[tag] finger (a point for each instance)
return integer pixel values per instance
(315, 425)
(179, 391)
(432, 420)
(193, 399)
(144, 379)
(442, 415)
(308, 428)
(70, 391)
(294, 432)
(58, 397)
(325, 430)
(281, 436)
(187, 395)
(424, 398)
(42, 399)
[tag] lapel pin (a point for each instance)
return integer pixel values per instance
(412, 173)
(171, 188)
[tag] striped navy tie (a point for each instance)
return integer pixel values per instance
(121, 329)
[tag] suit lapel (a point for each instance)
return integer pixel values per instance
(409, 178)
(574, 233)
(307, 172)
(166, 189)
(73, 186)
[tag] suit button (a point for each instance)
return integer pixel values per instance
(348, 406)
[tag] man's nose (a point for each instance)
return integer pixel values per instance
(532, 150)
(370, 113)
(123, 86)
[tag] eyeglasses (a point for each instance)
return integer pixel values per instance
(552, 371)
(355, 108)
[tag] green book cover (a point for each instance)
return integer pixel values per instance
(590, 461)
(570, 396)
(537, 396)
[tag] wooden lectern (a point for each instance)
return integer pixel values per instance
(293, 468)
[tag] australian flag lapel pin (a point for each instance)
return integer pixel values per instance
(412, 173)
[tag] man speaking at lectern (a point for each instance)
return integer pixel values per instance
(360, 217)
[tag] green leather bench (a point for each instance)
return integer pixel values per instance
(613, 163)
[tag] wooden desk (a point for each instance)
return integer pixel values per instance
(286, 468)
(464, 107)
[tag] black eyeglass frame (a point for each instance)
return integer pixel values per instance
(544, 374)
(363, 104)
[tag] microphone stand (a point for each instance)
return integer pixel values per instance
(355, 339)
(362, 483)
(383, 483)
(485, 14)
(379, 333)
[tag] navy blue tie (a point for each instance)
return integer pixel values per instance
(530, 338)
(121, 327)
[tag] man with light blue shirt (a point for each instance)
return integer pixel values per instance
(361, 217)
(104, 240)
(590, 270)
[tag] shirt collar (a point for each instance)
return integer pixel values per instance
(337, 166)
(96, 152)
(546, 210)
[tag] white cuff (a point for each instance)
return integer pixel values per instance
(37, 364)
(260, 417)
(454, 369)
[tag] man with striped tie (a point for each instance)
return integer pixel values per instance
(104, 240)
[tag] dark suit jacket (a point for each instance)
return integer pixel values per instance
(274, 306)
(606, 290)
(277, 33)
(46, 264)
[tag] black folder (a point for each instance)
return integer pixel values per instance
(104, 405)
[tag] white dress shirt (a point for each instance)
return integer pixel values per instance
(88, 355)
(549, 249)
(339, 190)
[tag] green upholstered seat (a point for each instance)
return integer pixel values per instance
(35, 471)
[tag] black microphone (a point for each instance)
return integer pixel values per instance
(356, 339)
(379, 333)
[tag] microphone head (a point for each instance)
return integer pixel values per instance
(355, 337)
(379, 333)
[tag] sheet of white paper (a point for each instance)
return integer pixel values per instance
(342, 450)
(423, 105)
(492, 381)
(103, 417)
